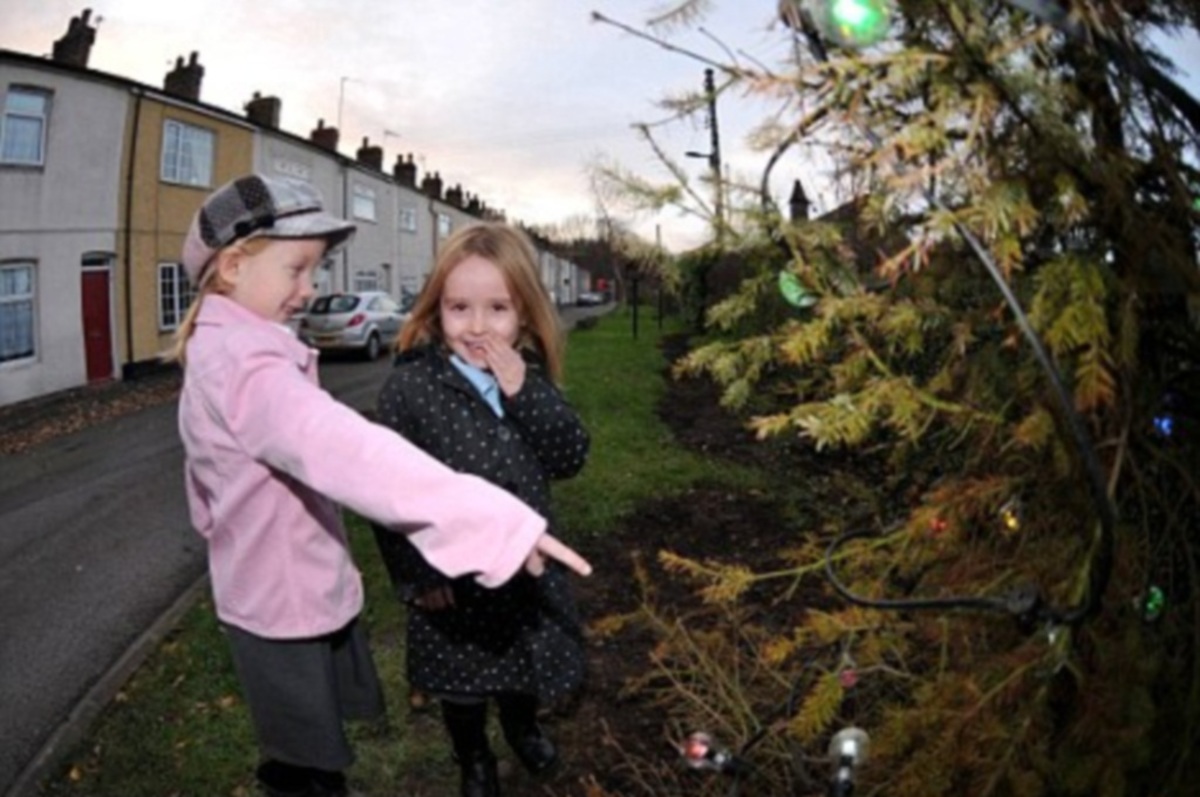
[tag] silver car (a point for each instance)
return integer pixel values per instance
(366, 322)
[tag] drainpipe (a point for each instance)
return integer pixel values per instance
(129, 171)
(345, 215)
(433, 216)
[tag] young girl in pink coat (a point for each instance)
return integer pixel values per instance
(270, 456)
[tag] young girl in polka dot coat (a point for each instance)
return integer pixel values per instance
(475, 386)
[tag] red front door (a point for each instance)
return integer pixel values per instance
(97, 325)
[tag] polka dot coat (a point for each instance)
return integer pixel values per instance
(524, 636)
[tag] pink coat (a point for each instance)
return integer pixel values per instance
(268, 455)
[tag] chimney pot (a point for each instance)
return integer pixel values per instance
(325, 137)
(405, 171)
(184, 80)
(432, 185)
(75, 47)
(263, 111)
(370, 156)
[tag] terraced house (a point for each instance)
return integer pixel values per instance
(100, 176)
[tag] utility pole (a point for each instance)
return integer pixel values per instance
(714, 156)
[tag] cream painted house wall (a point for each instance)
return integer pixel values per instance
(161, 212)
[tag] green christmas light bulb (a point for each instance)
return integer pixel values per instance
(851, 23)
(1153, 603)
(794, 292)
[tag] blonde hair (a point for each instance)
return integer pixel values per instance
(511, 251)
(210, 282)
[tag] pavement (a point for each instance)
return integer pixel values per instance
(98, 561)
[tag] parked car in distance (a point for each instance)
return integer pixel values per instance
(590, 299)
(365, 321)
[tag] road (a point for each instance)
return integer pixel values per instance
(97, 561)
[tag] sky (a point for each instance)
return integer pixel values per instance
(514, 100)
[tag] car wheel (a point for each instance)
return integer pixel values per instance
(372, 348)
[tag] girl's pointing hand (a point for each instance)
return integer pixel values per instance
(551, 547)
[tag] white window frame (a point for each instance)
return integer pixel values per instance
(366, 281)
(187, 154)
(9, 300)
(363, 202)
(407, 218)
(175, 296)
(444, 225)
(14, 116)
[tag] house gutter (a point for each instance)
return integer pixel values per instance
(345, 215)
(128, 265)
(433, 216)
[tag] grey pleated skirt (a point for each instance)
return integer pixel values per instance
(300, 691)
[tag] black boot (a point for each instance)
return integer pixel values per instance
(328, 784)
(277, 779)
(467, 724)
(518, 720)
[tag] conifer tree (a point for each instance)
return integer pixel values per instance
(1057, 150)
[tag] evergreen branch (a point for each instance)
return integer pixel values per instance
(664, 44)
(685, 12)
(925, 398)
(1002, 766)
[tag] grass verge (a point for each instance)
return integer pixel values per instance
(179, 727)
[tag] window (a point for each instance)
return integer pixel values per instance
(175, 295)
(16, 312)
(408, 218)
(384, 304)
(366, 281)
(187, 155)
(364, 203)
(291, 168)
(443, 224)
(333, 304)
(23, 134)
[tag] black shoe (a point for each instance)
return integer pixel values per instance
(467, 725)
(535, 750)
(329, 784)
(480, 776)
(518, 720)
(272, 791)
(277, 779)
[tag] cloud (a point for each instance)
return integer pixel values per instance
(512, 99)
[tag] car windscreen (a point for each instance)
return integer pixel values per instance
(337, 303)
